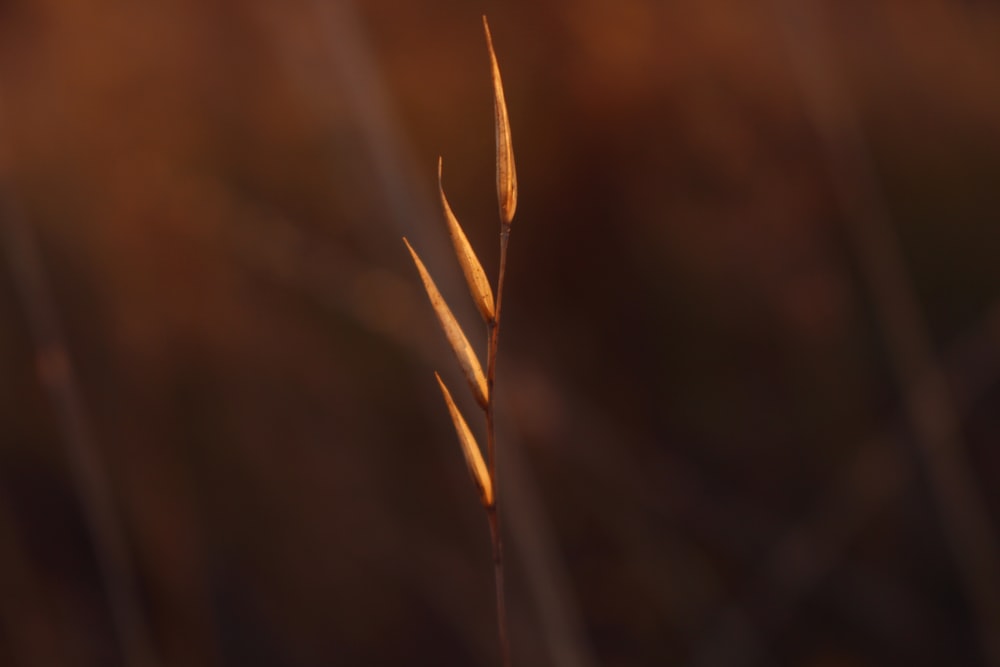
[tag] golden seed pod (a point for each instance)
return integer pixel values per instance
(470, 448)
(456, 337)
(479, 286)
(506, 174)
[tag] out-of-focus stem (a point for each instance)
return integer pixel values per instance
(89, 471)
(927, 399)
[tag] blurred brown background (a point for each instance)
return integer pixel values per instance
(749, 372)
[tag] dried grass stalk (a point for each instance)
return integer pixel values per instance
(484, 473)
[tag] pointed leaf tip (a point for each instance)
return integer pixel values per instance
(506, 173)
(470, 448)
(466, 356)
(479, 286)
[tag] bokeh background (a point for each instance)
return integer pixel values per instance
(749, 373)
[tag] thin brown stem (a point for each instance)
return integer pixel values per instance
(492, 511)
(494, 327)
(494, 519)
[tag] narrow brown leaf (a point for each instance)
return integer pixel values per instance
(456, 337)
(479, 286)
(470, 448)
(506, 174)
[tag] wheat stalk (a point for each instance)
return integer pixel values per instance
(483, 473)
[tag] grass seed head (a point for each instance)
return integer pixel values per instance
(506, 174)
(466, 356)
(479, 286)
(470, 448)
